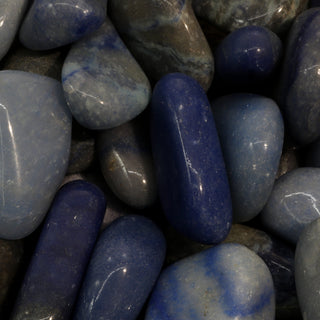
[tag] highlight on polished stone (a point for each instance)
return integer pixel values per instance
(103, 84)
(35, 127)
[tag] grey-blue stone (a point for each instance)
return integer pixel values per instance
(251, 132)
(103, 84)
(293, 203)
(35, 135)
(225, 282)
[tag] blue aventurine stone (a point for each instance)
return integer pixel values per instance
(35, 131)
(191, 175)
(226, 282)
(251, 132)
(123, 269)
(63, 250)
(53, 23)
(103, 84)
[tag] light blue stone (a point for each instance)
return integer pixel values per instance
(35, 135)
(103, 84)
(251, 133)
(225, 282)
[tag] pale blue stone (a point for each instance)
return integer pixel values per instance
(35, 134)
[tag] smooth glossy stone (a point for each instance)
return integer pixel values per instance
(191, 175)
(293, 203)
(229, 15)
(126, 163)
(164, 38)
(123, 269)
(54, 276)
(103, 84)
(225, 282)
(54, 23)
(299, 87)
(251, 127)
(307, 271)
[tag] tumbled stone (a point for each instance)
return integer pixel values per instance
(191, 176)
(225, 282)
(53, 23)
(251, 127)
(35, 142)
(164, 38)
(54, 275)
(293, 203)
(103, 84)
(123, 269)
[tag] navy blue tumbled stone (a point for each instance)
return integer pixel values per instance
(191, 175)
(58, 264)
(123, 269)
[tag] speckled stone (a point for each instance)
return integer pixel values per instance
(228, 281)
(103, 84)
(59, 261)
(35, 141)
(251, 127)
(123, 269)
(299, 88)
(293, 203)
(191, 175)
(54, 23)
(307, 264)
(229, 15)
(164, 38)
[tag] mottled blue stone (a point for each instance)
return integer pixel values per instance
(225, 282)
(293, 203)
(123, 269)
(54, 275)
(251, 133)
(53, 23)
(299, 88)
(191, 175)
(103, 84)
(35, 132)
(248, 55)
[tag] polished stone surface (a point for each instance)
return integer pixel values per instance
(54, 23)
(251, 127)
(164, 37)
(191, 175)
(225, 282)
(68, 236)
(103, 84)
(229, 15)
(307, 264)
(123, 269)
(35, 132)
(299, 88)
(293, 203)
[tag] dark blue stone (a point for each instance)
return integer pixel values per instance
(191, 175)
(123, 269)
(58, 264)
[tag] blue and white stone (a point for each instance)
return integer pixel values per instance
(54, 23)
(103, 84)
(35, 131)
(225, 282)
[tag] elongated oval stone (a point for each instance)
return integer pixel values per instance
(164, 37)
(293, 203)
(63, 250)
(35, 131)
(53, 23)
(123, 269)
(103, 84)
(192, 180)
(225, 282)
(251, 127)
